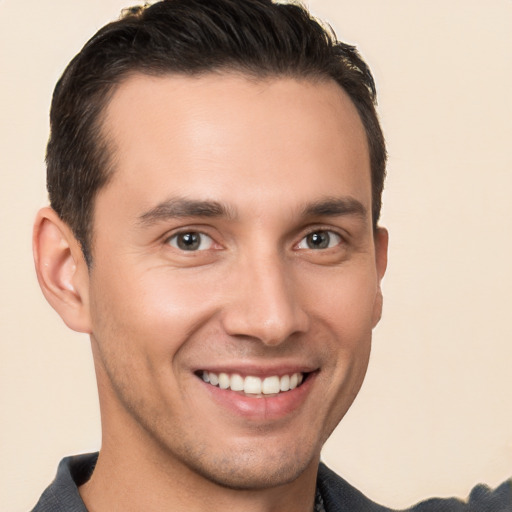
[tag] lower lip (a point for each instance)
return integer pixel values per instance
(262, 407)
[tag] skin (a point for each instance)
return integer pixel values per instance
(275, 160)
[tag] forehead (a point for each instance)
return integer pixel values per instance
(224, 136)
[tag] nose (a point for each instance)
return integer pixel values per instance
(265, 302)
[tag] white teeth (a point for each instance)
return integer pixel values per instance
(254, 385)
(285, 383)
(223, 381)
(237, 383)
(270, 385)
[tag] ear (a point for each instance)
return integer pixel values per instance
(61, 270)
(381, 239)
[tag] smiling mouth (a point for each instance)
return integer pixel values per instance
(254, 386)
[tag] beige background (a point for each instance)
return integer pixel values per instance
(434, 416)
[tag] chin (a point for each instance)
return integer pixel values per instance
(248, 478)
(256, 469)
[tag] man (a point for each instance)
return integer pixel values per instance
(215, 171)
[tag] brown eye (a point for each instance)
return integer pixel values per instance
(191, 241)
(321, 239)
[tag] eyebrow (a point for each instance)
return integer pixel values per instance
(178, 207)
(335, 207)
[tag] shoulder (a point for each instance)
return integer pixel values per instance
(481, 499)
(62, 494)
(340, 496)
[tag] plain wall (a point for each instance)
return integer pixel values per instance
(434, 415)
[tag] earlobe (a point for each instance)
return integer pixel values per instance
(61, 269)
(381, 262)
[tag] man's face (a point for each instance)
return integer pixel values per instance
(234, 242)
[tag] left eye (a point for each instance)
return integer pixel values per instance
(190, 241)
(322, 239)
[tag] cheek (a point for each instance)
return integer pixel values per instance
(140, 325)
(153, 311)
(344, 312)
(345, 300)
